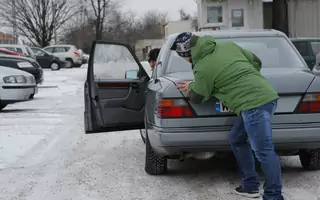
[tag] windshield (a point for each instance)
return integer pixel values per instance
(274, 52)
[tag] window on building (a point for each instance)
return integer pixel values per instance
(237, 18)
(214, 14)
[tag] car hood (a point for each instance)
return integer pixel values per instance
(7, 71)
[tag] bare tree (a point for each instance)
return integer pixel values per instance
(151, 24)
(36, 19)
(184, 15)
(100, 9)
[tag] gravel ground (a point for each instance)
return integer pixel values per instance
(44, 154)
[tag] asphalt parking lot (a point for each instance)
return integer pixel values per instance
(44, 154)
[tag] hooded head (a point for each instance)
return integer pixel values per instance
(183, 43)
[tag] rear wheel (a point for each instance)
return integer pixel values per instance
(310, 159)
(69, 63)
(55, 66)
(154, 164)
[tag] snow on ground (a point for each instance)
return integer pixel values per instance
(44, 154)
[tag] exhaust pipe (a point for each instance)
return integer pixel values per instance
(199, 155)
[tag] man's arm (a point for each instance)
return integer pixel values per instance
(255, 60)
(200, 89)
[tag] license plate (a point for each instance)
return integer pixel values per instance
(220, 108)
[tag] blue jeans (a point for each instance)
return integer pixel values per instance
(255, 125)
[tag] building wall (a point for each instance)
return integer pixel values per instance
(252, 13)
(142, 47)
(178, 26)
(6, 38)
(304, 18)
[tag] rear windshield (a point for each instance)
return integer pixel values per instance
(274, 52)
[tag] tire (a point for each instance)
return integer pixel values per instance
(154, 165)
(2, 106)
(69, 63)
(54, 66)
(310, 159)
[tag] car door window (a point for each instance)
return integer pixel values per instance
(302, 47)
(315, 47)
(50, 49)
(112, 62)
(40, 53)
(19, 50)
(59, 50)
(10, 49)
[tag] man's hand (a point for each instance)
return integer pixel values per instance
(183, 86)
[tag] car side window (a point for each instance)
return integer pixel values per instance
(59, 49)
(315, 47)
(49, 49)
(19, 50)
(114, 62)
(302, 47)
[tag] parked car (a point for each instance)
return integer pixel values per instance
(16, 86)
(25, 64)
(85, 58)
(177, 128)
(308, 48)
(68, 53)
(7, 52)
(47, 60)
(22, 49)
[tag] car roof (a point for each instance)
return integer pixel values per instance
(304, 38)
(236, 33)
(60, 45)
(17, 57)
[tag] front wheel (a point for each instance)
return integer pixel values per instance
(55, 66)
(2, 106)
(310, 159)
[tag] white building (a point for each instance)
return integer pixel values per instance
(230, 14)
(303, 15)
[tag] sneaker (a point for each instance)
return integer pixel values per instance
(244, 192)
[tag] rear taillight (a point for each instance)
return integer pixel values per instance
(310, 104)
(76, 53)
(174, 108)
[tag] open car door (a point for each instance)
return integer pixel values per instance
(114, 89)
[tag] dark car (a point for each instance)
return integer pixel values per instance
(24, 64)
(47, 60)
(308, 48)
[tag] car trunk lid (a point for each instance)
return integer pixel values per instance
(290, 83)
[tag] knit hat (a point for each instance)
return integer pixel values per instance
(182, 44)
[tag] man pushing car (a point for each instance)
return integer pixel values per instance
(232, 74)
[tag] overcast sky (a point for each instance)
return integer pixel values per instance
(169, 6)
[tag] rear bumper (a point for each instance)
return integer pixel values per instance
(177, 140)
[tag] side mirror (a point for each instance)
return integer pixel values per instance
(131, 74)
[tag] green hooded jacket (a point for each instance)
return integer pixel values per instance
(228, 72)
